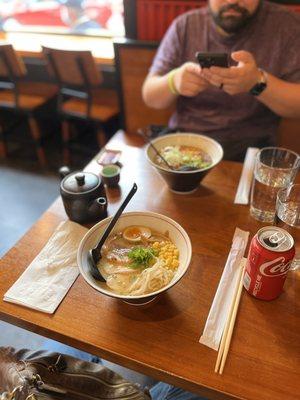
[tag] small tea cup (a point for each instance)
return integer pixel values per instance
(110, 174)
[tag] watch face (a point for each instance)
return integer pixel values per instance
(258, 88)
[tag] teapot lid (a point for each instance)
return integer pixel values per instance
(80, 182)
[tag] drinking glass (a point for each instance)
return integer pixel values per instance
(275, 168)
(288, 216)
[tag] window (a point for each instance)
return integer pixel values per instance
(89, 17)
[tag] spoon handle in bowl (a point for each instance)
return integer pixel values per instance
(141, 132)
(116, 217)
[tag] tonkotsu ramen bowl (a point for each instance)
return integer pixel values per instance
(184, 181)
(157, 222)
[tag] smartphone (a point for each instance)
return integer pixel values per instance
(207, 60)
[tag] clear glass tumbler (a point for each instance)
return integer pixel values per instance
(275, 168)
(288, 216)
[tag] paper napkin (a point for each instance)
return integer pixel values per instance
(220, 307)
(242, 194)
(46, 281)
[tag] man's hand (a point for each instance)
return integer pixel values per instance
(188, 80)
(235, 80)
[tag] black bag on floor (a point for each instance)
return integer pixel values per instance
(40, 375)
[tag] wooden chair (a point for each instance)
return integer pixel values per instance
(80, 96)
(17, 97)
(133, 60)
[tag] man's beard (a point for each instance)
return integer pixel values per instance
(233, 23)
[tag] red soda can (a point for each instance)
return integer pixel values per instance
(271, 252)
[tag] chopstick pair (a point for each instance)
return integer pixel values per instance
(228, 330)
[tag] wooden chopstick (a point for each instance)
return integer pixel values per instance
(224, 336)
(228, 330)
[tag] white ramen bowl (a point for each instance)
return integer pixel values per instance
(184, 181)
(154, 221)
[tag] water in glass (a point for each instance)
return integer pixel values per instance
(264, 192)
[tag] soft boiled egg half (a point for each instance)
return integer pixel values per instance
(135, 233)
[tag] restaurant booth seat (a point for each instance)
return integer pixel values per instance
(18, 97)
(133, 60)
(80, 96)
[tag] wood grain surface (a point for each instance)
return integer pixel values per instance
(163, 340)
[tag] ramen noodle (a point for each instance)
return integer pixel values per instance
(184, 156)
(137, 261)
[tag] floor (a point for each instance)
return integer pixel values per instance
(26, 191)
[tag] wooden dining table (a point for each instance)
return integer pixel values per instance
(162, 340)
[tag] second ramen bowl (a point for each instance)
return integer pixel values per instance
(184, 181)
(154, 221)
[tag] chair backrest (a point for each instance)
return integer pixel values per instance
(133, 59)
(12, 66)
(72, 68)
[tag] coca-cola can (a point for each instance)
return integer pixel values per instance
(271, 252)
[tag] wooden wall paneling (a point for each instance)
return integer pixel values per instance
(133, 59)
(155, 16)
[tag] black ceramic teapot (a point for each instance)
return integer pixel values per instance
(83, 196)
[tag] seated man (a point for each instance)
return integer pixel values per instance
(239, 106)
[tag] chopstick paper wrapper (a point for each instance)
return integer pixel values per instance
(220, 308)
(46, 281)
(242, 194)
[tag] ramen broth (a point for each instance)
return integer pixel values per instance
(184, 156)
(137, 261)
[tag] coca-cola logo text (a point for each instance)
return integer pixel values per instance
(275, 267)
